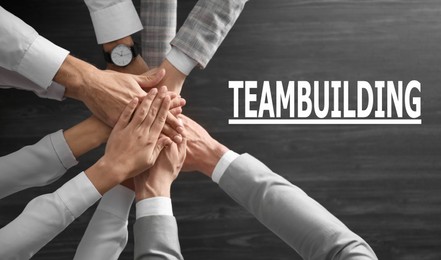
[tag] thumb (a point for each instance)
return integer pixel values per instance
(150, 78)
(162, 142)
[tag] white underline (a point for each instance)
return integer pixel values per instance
(324, 121)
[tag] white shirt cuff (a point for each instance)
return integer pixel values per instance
(54, 91)
(41, 61)
(153, 207)
(78, 194)
(181, 61)
(115, 22)
(62, 149)
(117, 201)
(222, 165)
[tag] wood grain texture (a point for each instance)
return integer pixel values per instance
(382, 181)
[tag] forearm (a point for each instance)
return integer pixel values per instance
(45, 162)
(206, 27)
(156, 230)
(13, 79)
(106, 235)
(26, 52)
(159, 18)
(156, 237)
(113, 19)
(75, 74)
(46, 216)
(291, 214)
(86, 136)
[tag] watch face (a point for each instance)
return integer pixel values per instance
(121, 55)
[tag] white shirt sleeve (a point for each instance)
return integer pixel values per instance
(181, 61)
(23, 50)
(45, 217)
(35, 165)
(113, 19)
(222, 165)
(106, 235)
(10, 79)
(153, 207)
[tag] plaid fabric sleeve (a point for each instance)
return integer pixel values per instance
(159, 21)
(206, 27)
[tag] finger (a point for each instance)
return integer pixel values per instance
(162, 142)
(160, 119)
(173, 95)
(182, 147)
(143, 109)
(125, 116)
(176, 101)
(155, 108)
(175, 123)
(148, 81)
(172, 134)
(176, 111)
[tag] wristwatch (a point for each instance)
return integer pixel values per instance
(121, 55)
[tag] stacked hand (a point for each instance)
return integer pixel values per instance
(135, 142)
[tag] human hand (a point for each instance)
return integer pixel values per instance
(158, 179)
(173, 127)
(134, 143)
(104, 92)
(203, 151)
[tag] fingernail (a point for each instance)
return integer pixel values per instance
(180, 129)
(153, 91)
(177, 139)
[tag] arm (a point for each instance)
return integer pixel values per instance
(26, 52)
(47, 215)
(49, 159)
(159, 18)
(156, 230)
(22, 46)
(301, 222)
(114, 22)
(281, 206)
(106, 235)
(10, 79)
(198, 39)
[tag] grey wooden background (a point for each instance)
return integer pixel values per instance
(384, 182)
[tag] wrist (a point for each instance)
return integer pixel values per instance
(174, 78)
(136, 67)
(107, 47)
(75, 75)
(153, 189)
(103, 176)
(212, 158)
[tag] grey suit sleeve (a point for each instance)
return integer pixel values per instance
(35, 165)
(206, 27)
(156, 238)
(292, 215)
